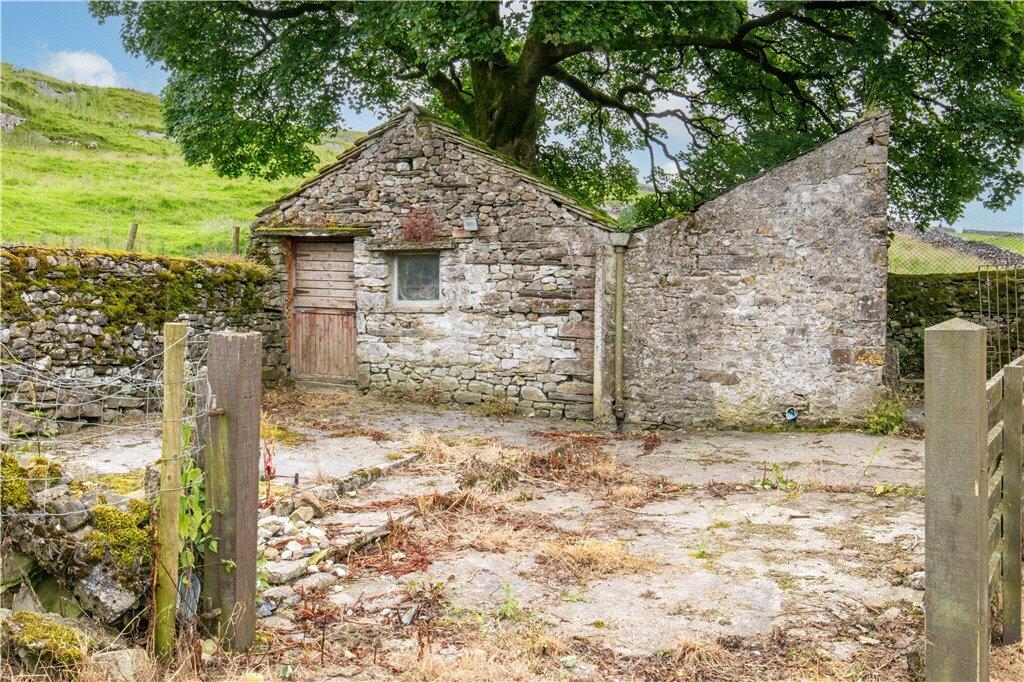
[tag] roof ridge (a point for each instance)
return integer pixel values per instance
(442, 127)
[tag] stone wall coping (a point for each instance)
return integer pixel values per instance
(311, 231)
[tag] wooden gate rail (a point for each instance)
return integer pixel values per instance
(973, 434)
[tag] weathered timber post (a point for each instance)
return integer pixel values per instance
(1013, 425)
(956, 505)
(170, 490)
(235, 239)
(133, 231)
(232, 480)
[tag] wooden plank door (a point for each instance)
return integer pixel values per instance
(323, 321)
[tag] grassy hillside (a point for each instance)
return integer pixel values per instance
(88, 161)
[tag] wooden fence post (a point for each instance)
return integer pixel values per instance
(235, 239)
(133, 231)
(170, 490)
(1013, 424)
(232, 485)
(956, 504)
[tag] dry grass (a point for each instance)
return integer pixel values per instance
(699, 660)
(353, 430)
(1007, 663)
(495, 409)
(590, 559)
(481, 520)
(285, 406)
(577, 460)
(415, 554)
(521, 652)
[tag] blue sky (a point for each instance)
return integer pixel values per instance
(61, 38)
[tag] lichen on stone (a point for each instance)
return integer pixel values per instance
(52, 642)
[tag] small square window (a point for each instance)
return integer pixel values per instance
(417, 278)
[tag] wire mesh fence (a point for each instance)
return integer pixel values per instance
(942, 251)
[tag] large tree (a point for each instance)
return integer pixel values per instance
(570, 89)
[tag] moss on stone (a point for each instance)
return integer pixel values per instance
(123, 536)
(43, 472)
(917, 302)
(13, 486)
(182, 285)
(121, 484)
(54, 643)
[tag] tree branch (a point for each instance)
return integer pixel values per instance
(286, 11)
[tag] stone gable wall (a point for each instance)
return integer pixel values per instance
(772, 295)
(516, 320)
(90, 323)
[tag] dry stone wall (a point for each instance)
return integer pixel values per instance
(82, 330)
(917, 302)
(515, 323)
(771, 296)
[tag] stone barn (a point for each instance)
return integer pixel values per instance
(421, 262)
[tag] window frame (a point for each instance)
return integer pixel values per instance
(431, 304)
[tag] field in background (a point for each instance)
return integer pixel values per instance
(1003, 241)
(911, 256)
(88, 161)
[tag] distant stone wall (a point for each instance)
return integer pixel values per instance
(90, 323)
(917, 302)
(768, 297)
(515, 323)
(948, 239)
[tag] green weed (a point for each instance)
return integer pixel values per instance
(885, 418)
(772, 478)
(511, 607)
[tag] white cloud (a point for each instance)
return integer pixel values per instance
(87, 68)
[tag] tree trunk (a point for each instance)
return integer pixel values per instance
(505, 115)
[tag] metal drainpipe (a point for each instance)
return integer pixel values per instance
(618, 407)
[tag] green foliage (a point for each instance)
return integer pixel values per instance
(194, 521)
(885, 418)
(78, 171)
(702, 550)
(579, 597)
(571, 88)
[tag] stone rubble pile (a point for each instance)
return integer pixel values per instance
(67, 592)
(55, 533)
(305, 540)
